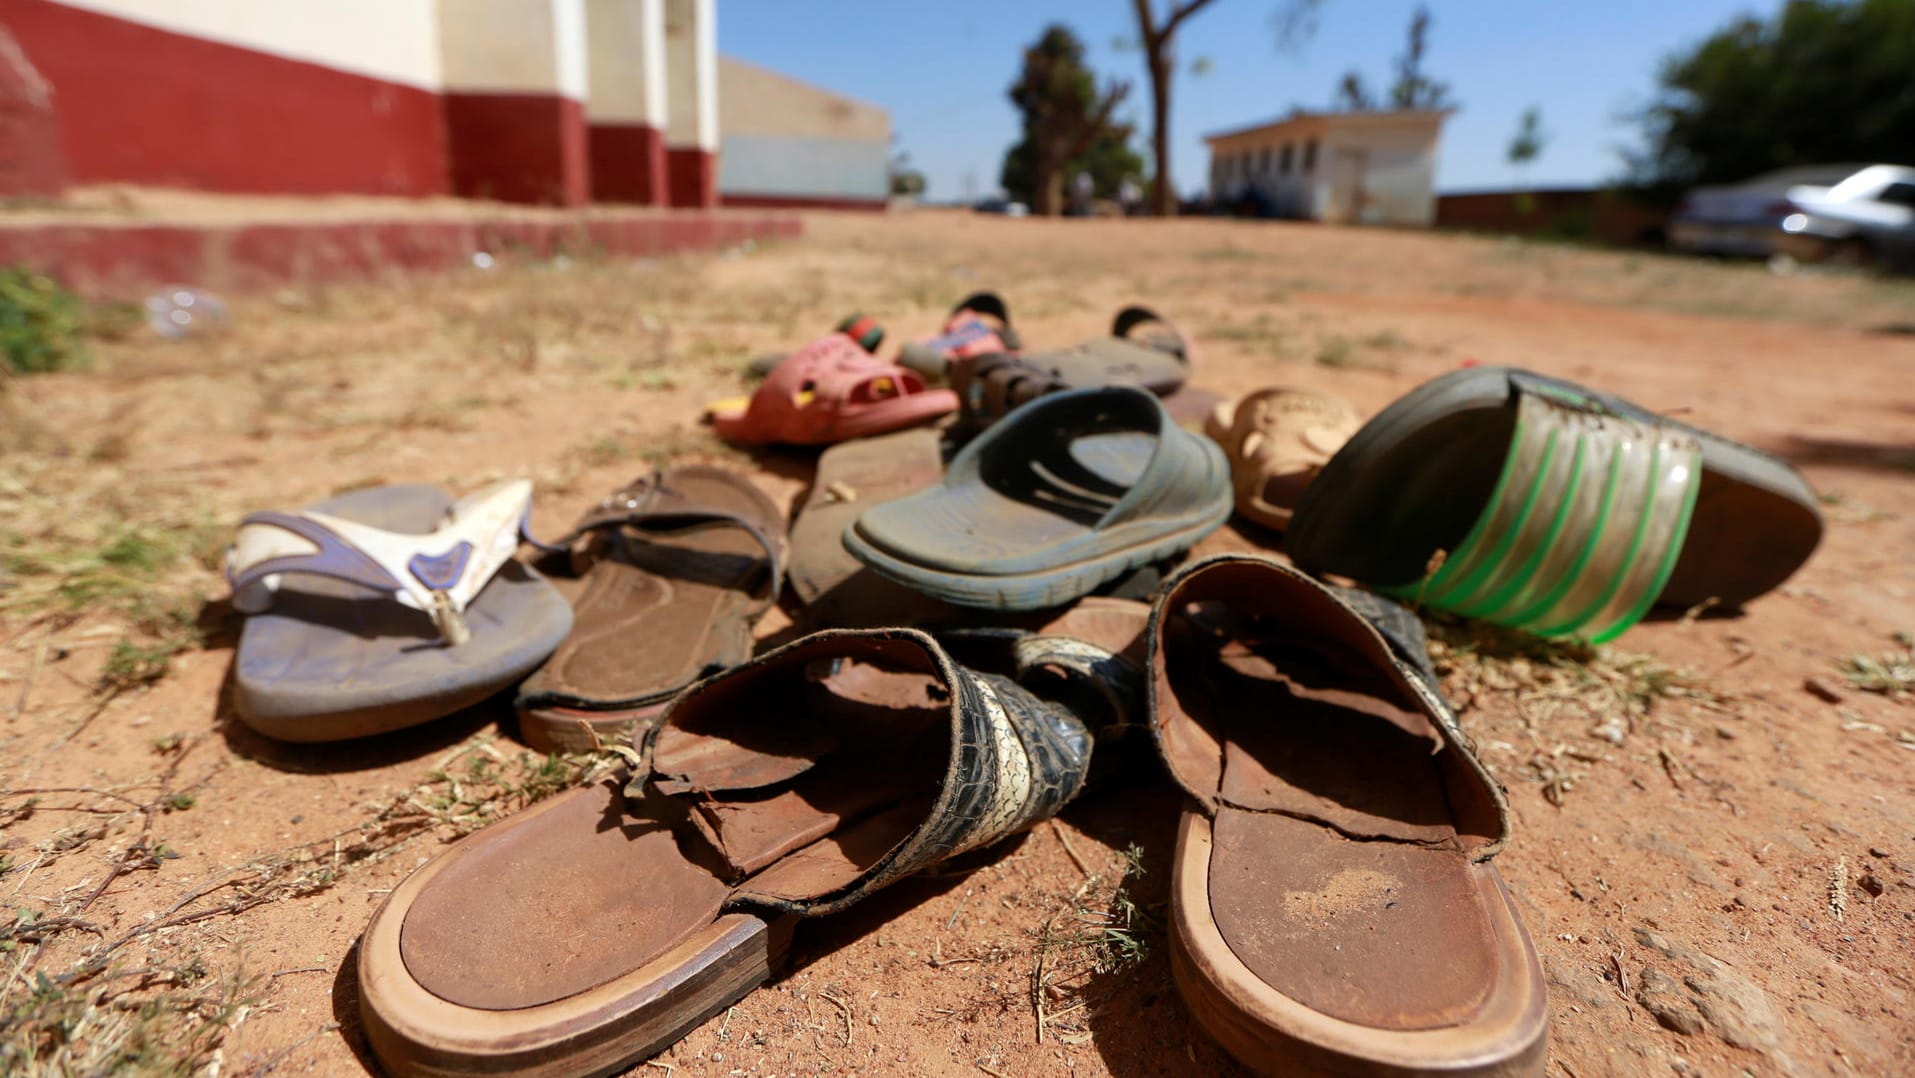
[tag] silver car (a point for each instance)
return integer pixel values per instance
(1745, 220)
(1866, 219)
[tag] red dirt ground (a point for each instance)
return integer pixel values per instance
(1728, 887)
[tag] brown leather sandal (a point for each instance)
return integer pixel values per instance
(1334, 910)
(678, 565)
(598, 927)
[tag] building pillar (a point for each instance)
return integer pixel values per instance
(515, 87)
(33, 161)
(626, 108)
(691, 100)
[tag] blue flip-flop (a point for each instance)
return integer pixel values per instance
(384, 608)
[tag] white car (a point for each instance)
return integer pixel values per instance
(1868, 218)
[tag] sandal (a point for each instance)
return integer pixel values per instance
(384, 608)
(677, 567)
(1334, 909)
(979, 325)
(1143, 349)
(1277, 441)
(1534, 503)
(837, 590)
(1072, 491)
(829, 391)
(596, 928)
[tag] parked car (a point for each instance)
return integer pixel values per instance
(1004, 206)
(1868, 219)
(1745, 219)
(1860, 214)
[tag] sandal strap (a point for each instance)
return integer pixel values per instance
(1014, 760)
(440, 572)
(1173, 341)
(650, 504)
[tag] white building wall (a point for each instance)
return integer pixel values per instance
(625, 41)
(391, 40)
(1399, 174)
(514, 46)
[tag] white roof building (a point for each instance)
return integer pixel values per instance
(1353, 167)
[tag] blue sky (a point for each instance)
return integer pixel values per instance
(941, 69)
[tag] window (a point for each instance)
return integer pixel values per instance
(1310, 156)
(1263, 161)
(1898, 194)
(1288, 158)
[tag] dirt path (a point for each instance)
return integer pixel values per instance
(1717, 863)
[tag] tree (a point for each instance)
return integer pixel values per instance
(1352, 94)
(1525, 146)
(1065, 116)
(1295, 20)
(1413, 89)
(1820, 82)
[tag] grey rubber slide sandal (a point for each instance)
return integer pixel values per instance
(1505, 495)
(384, 608)
(1066, 493)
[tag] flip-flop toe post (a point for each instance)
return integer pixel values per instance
(677, 566)
(1334, 905)
(383, 608)
(1519, 499)
(1069, 492)
(599, 926)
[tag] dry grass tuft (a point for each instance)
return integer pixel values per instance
(1892, 673)
(1568, 705)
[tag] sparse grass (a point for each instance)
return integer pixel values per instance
(1098, 930)
(112, 1009)
(1571, 703)
(1891, 674)
(1337, 350)
(41, 324)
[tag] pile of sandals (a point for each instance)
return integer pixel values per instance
(983, 584)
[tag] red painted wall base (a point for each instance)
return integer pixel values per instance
(518, 148)
(628, 164)
(138, 104)
(693, 176)
(803, 202)
(125, 261)
(32, 161)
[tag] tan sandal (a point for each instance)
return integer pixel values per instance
(1277, 441)
(598, 927)
(1334, 909)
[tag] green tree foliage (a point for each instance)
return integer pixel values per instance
(1823, 81)
(1067, 123)
(1411, 88)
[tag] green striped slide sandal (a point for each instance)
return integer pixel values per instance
(1530, 502)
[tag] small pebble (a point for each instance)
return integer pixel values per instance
(1872, 884)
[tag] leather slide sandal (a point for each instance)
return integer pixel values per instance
(1333, 905)
(599, 926)
(829, 391)
(979, 325)
(1143, 349)
(1277, 441)
(837, 590)
(384, 608)
(677, 566)
(1534, 503)
(1069, 492)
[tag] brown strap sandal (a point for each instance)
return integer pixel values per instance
(989, 387)
(1334, 909)
(677, 566)
(595, 928)
(1277, 441)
